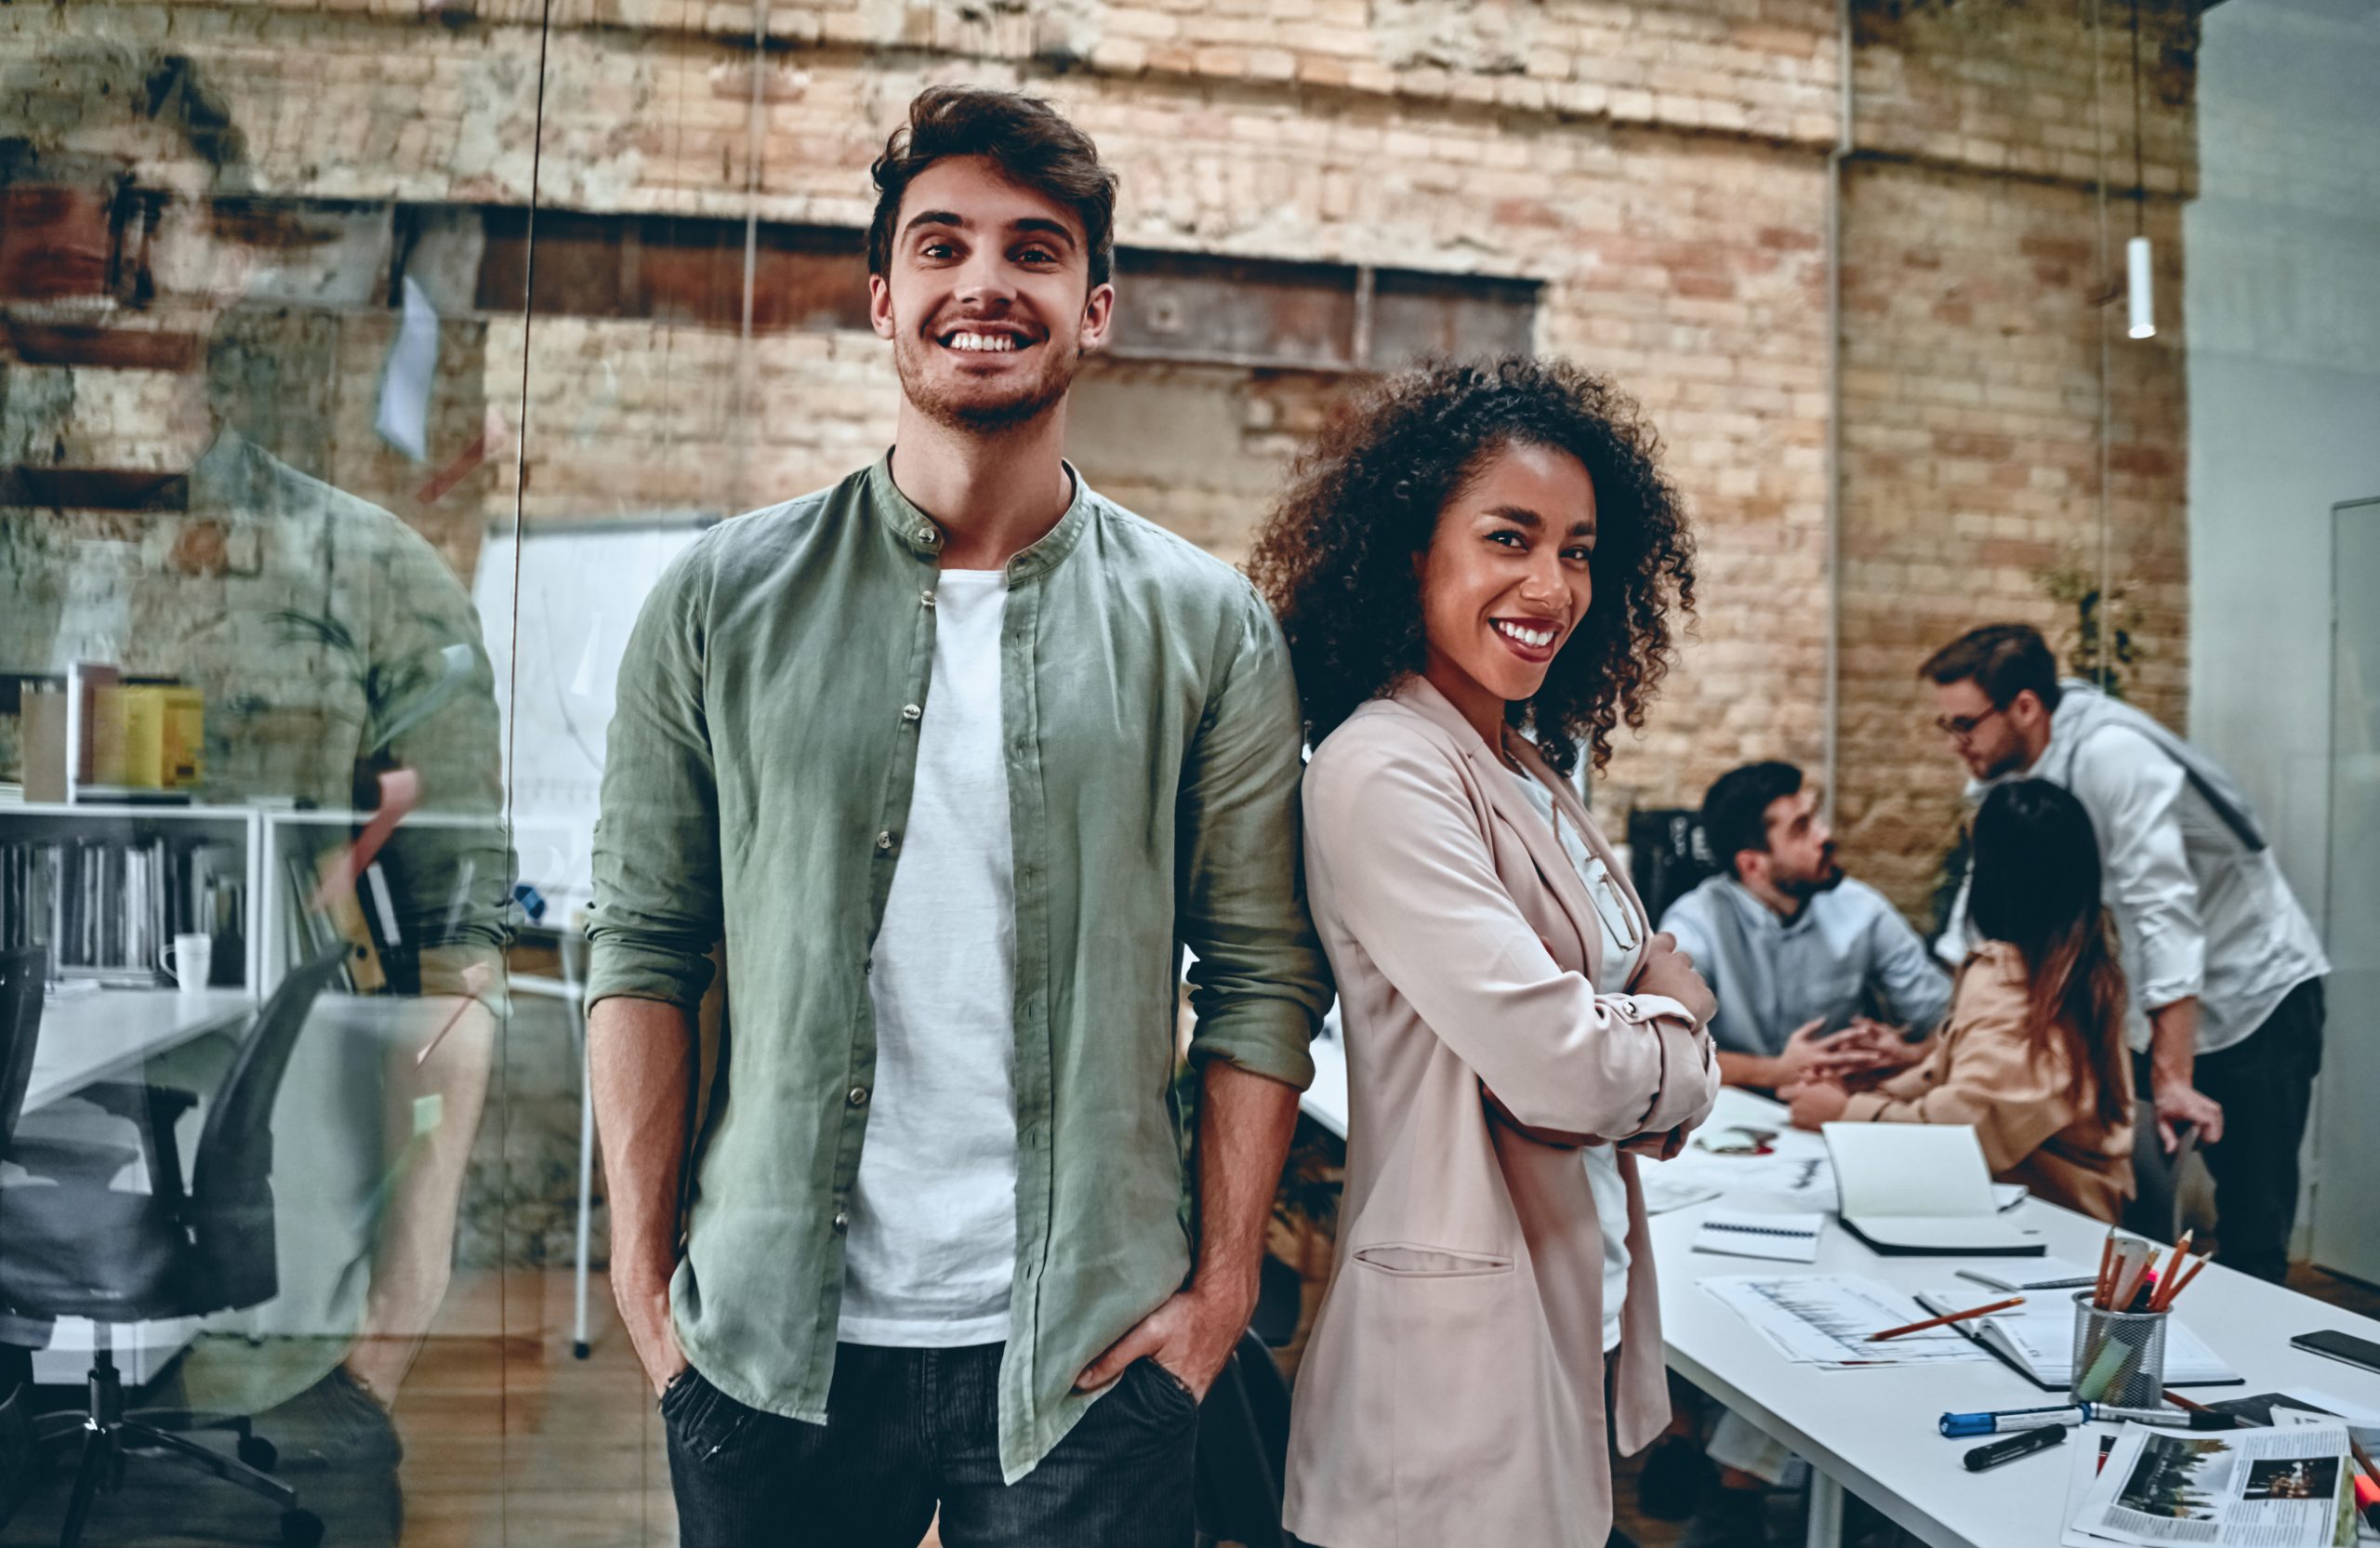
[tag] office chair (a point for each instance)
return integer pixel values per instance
(74, 1247)
(21, 989)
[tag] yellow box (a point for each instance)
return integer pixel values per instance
(183, 759)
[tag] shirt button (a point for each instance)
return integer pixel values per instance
(926, 600)
(910, 712)
(885, 842)
(928, 537)
(858, 1096)
(842, 1221)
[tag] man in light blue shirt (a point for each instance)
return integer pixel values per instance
(1795, 950)
(1816, 975)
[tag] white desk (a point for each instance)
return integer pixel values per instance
(98, 1036)
(1872, 1432)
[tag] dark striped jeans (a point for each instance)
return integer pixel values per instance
(911, 1431)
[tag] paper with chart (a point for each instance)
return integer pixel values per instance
(1824, 1319)
(2282, 1488)
(1802, 1182)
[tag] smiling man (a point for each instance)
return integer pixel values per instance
(950, 756)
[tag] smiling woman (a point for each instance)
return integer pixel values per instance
(1531, 490)
(1475, 551)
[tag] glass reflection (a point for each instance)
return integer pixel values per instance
(259, 854)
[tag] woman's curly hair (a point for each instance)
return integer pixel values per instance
(1336, 557)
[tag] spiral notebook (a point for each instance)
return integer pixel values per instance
(1787, 1237)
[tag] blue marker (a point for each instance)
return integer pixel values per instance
(1956, 1425)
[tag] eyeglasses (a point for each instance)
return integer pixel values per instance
(1960, 727)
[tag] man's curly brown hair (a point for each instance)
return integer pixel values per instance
(1336, 557)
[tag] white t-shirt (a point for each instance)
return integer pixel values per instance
(1623, 951)
(932, 1237)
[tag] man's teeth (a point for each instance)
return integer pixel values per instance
(1535, 639)
(997, 343)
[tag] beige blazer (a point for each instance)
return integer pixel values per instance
(1453, 1391)
(1985, 1072)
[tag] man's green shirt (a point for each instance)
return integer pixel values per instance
(755, 791)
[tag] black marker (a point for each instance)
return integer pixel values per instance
(2016, 1446)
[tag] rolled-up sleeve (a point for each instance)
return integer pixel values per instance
(1411, 877)
(2134, 793)
(1260, 985)
(657, 902)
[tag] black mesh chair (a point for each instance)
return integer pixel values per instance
(72, 1245)
(21, 983)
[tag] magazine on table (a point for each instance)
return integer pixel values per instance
(2284, 1487)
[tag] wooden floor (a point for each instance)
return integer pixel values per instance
(511, 1443)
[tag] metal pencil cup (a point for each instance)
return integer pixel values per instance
(2119, 1356)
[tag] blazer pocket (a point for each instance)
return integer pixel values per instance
(1411, 1260)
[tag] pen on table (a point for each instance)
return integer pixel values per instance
(1947, 1317)
(2004, 1421)
(2014, 1447)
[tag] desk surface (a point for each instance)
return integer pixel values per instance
(1873, 1431)
(96, 1037)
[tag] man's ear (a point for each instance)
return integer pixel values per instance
(1098, 315)
(879, 306)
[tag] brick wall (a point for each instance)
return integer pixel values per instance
(1660, 168)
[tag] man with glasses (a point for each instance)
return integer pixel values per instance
(2223, 963)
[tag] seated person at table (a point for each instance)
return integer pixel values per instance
(1804, 959)
(2033, 1055)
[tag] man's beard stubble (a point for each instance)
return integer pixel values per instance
(1801, 889)
(1035, 397)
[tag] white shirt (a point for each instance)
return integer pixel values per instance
(932, 1247)
(1623, 952)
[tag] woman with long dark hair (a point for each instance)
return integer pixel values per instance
(1476, 569)
(2034, 1053)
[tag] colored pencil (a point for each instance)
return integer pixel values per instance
(1948, 1319)
(2166, 1282)
(2196, 1265)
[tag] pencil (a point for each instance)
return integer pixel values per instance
(2196, 1267)
(2165, 1282)
(2363, 1459)
(2100, 1291)
(1947, 1317)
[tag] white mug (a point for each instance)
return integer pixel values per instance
(190, 962)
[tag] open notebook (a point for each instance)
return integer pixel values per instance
(1922, 1188)
(2037, 1339)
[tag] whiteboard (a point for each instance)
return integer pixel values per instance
(581, 588)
